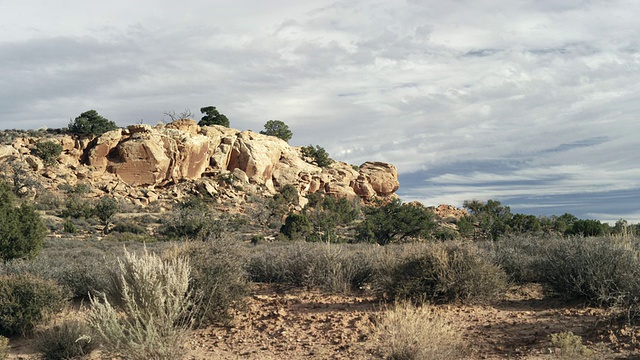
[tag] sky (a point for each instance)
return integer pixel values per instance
(531, 103)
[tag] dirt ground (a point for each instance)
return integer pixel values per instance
(285, 323)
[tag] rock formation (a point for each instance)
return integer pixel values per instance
(145, 157)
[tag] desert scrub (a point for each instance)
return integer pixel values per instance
(569, 346)
(604, 271)
(70, 340)
(144, 314)
(26, 300)
(519, 256)
(406, 332)
(4, 347)
(331, 267)
(442, 273)
(219, 280)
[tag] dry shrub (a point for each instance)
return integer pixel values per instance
(219, 280)
(332, 267)
(600, 270)
(406, 332)
(152, 300)
(4, 347)
(442, 273)
(70, 340)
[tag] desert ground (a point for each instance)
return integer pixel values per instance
(280, 322)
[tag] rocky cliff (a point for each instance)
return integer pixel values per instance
(140, 162)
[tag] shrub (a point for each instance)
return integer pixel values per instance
(22, 231)
(406, 332)
(395, 222)
(4, 347)
(48, 151)
(25, 300)
(569, 345)
(219, 280)
(90, 123)
(105, 209)
(129, 227)
(153, 300)
(333, 267)
(318, 155)
(443, 273)
(518, 256)
(296, 226)
(77, 208)
(192, 219)
(69, 227)
(278, 129)
(587, 228)
(602, 270)
(70, 340)
(212, 117)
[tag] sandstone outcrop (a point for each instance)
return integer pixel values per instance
(145, 157)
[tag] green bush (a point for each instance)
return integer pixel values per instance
(443, 273)
(48, 151)
(395, 222)
(22, 231)
(77, 208)
(213, 117)
(25, 300)
(151, 298)
(296, 227)
(129, 227)
(90, 123)
(278, 129)
(70, 340)
(318, 155)
(69, 227)
(105, 209)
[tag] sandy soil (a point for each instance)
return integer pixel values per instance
(289, 323)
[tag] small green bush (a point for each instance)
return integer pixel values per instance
(569, 345)
(318, 155)
(25, 300)
(77, 208)
(70, 340)
(443, 273)
(129, 227)
(48, 151)
(151, 297)
(192, 219)
(22, 231)
(105, 209)
(69, 227)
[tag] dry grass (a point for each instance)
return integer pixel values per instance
(407, 332)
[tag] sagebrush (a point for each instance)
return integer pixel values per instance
(144, 314)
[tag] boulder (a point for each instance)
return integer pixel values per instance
(382, 177)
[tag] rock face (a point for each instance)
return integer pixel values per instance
(154, 157)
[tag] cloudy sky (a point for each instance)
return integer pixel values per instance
(532, 103)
